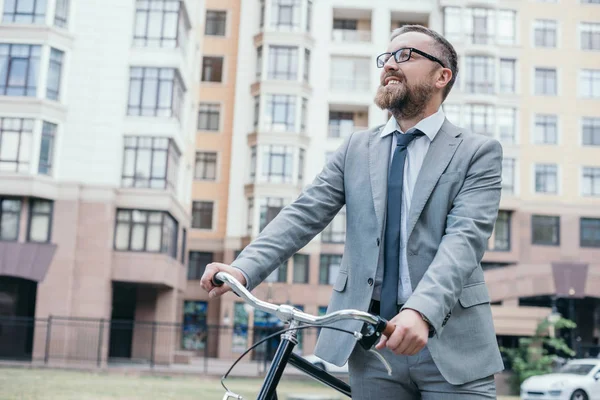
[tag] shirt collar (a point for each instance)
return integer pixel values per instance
(429, 126)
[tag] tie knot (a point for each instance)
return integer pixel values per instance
(403, 139)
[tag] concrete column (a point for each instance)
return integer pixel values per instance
(166, 329)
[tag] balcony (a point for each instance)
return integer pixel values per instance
(351, 26)
(350, 84)
(351, 35)
(343, 121)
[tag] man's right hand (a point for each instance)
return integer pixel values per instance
(211, 270)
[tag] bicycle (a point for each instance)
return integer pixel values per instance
(374, 326)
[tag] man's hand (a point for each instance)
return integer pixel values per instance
(211, 270)
(409, 336)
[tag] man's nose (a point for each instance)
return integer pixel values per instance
(391, 65)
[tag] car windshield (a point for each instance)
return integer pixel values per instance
(576, 369)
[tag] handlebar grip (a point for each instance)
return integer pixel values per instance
(216, 281)
(389, 329)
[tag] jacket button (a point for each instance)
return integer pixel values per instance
(377, 242)
(370, 281)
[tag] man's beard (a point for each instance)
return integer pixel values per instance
(402, 100)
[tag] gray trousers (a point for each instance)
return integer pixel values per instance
(413, 377)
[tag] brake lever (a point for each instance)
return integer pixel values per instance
(372, 335)
(230, 395)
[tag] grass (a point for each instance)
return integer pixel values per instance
(52, 384)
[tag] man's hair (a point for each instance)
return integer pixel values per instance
(445, 51)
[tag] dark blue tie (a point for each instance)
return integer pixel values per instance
(391, 269)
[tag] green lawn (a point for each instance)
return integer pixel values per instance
(48, 384)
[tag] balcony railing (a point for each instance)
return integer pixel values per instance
(342, 131)
(351, 35)
(349, 84)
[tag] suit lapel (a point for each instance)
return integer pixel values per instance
(440, 152)
(379, 158)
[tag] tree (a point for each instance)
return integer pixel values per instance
(532, 356)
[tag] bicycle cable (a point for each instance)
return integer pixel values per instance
(272, 336)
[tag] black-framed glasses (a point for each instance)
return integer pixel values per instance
(403, 55)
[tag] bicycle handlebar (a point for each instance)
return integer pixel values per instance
(288, 313)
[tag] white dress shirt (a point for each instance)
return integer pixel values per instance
(416, 152)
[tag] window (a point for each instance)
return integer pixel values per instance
(545, 81)
(546, 178)
(269, 208)
(306, 65)
(15, 144)
(507, 124)
(283, 62)
(197, 263)
(40, 217)
(590, 232)
(301, 268)
(10, 216)
(590, 1)
(309, 5)
(19, 68)
(54, 73)
(277, 164)
(590, 127)
(546, 131)
(252, 163)
(506, 27)
(259, 51)
(216, 21)
(341, 124)
(212, 69)
(61, 14)
(589, 83)
(335, 232)
(202, 214)
(194, 327)
(24, 11)
(285, 14)
(545, 230)
(507, 75)
(544, 33)
(591, 181)
(452, 23)
(500, 239)
(183, 243)
(149, 231)
(206, 166)
(209, 116)
(47, 148)
(508, 175)
(301, 157)
(279, 274)
(156, 92)
(481, 25)
(150, 162)
(280, 113)
(303, 115)
(256, 111)
(452, 112)
(329, 268)
(160, 23)
(250, 216)
(590, 36)
(350, 74)
(480, 74)
(480, 118)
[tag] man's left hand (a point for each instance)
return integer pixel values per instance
(409, 336)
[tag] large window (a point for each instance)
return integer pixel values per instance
(277, 163)
(590, 232)
(544, 33)
(24, 11)
(508, 175)
(149, 231)
(546, 129)
(209, 116)
(506, 27)
(202, 214)
(206, 166)
(15, 144)
(479, 118)
(545, 81)
(335, 232)
(590, 36)
(589, 83)
(61, 14)
(480, 74)
(47, 148)
(279, 274)
(150, 162)
(156, 92)
(160, 23)
(301, 268)
(54, 73)
(212, 69)
(452, 23)
(591, 181)
(329, 268)
(197, 263)
(283, 63)
(590, 127)
(10, 215)
(285, 14)
(507, 75)
(280, 113)
(545, 230)
(341, 124)
(216, 21)
(19, 68)
(500, 239)
(507, 124)
(269, 209)
(481, 25)
(349, 74)
(546, 178)
(40, 219)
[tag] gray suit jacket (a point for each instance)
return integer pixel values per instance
(453, 211)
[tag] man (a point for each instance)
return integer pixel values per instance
(422, 197)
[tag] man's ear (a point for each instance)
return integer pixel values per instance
(444, 78)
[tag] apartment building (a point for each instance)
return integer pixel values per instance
(98, 108)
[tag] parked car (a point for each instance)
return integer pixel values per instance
(576, 380)
(324, 365)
